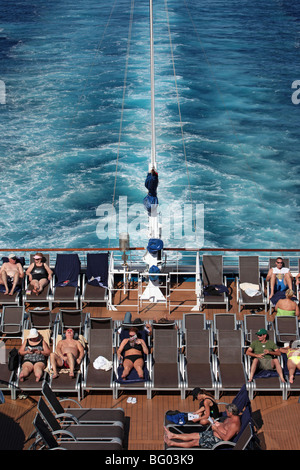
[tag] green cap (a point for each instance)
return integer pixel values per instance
(262, 331)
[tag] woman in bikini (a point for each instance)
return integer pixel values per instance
(293, 358)
(133, 349)
(39, 274)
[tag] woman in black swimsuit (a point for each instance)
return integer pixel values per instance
(39, 274)
(207, 406)
(133, 349)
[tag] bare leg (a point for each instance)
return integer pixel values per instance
(188, 440)
(4, 282)
(288, 280)
(27, 368)
(42, 283)
(15, 282)
(55, 361)
(71, 362)
(272, 284)
(275, 363)
(253, 369)
(128, 365)
(38, 370)
(138, 365)
(35, 285)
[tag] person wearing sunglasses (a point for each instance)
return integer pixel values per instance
(280, 278)
(39, 274)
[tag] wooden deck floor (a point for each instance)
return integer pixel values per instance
(278, 420)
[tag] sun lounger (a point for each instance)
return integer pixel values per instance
(196, 363)
(45, 295)
(164, 366)
(80, 431)
(15, 299)
(95, 280)
(214, 289)
(48, 438)
(230, 359)
(66, 279)
(12, 321)
(100, 343)
(79, 414)
(249, 284)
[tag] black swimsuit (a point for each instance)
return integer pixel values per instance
(133, 357)
(39, 272)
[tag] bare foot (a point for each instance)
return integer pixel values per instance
(291, 379)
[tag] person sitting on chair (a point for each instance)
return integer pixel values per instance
(69, 352)
(34, 352)
(287, 307)
(39, 274)
(207, 406)
(293, 358)
(264, 352)
(11, 273)
(133, 348)
(207, 439)
(280, 278)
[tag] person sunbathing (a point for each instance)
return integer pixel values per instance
(209, 437)
(11, 273)
(133, 348)
(68, 353)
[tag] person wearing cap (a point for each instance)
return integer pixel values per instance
(39, 274)
(207, 406)
(34, 352)
(265, 352)
(11, 273)
(293, 358)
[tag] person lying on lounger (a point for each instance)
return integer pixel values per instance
(133, 348)
(69, 352)
(11, 273)
(208, 438)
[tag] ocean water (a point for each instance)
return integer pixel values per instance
(76, 133)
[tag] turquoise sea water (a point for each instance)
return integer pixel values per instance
(74, 138)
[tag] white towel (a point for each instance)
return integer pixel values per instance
(102, 363)
(250, 289)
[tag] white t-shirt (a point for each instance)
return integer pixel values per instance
(281, 270)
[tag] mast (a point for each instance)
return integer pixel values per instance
(153, 137)
(153, 255)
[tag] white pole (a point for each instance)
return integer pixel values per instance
(153, 139)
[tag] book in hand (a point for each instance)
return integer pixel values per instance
(192, 416)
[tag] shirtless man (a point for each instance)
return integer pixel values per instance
(11, 271)
(69, 352)
(208, 438)
(279, 277)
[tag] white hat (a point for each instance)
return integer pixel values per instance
(12, 255)
(33, 333)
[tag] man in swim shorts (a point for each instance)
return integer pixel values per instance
(280, 278)
(11, 273)
(68, 353)
(208, 438)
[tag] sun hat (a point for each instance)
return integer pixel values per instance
(33, 333)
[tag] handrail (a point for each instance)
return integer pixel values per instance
(284, 250)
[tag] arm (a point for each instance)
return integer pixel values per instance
(28, 272)
(46, 350)
(21, 271)
(121, 347)
(225, 432)
(49, 271)
(269, 275)
(142, 342)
